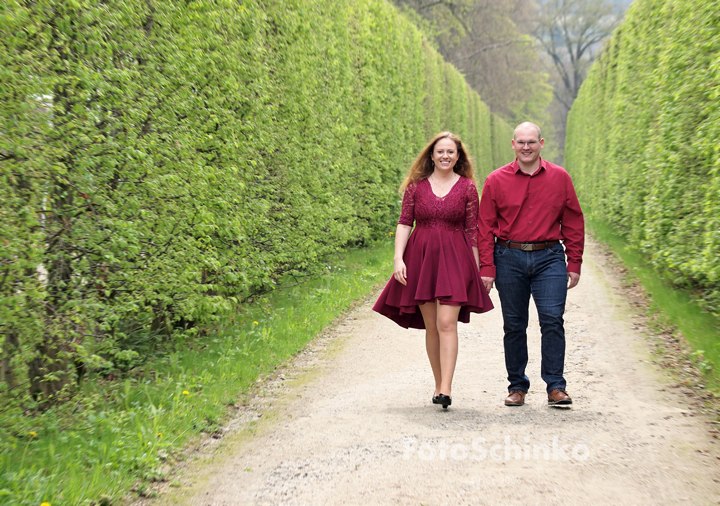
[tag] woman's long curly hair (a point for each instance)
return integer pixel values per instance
(423, 166)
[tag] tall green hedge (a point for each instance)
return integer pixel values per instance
(161, 161)
(642, 139)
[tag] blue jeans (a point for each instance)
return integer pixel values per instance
(543, 274)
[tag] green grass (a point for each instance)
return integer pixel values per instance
(700, 328)
(115, 435)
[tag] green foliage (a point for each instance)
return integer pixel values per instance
(161, 161)
(117, 434)
(642, 140)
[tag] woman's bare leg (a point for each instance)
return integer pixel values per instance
(447, 318)
(441, 342)
(432, 341)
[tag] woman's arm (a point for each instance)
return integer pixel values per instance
(471, 223)
(401, 238)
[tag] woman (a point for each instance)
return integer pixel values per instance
(436, 281)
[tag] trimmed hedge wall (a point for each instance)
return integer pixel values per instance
(162, 161)
(642, 139)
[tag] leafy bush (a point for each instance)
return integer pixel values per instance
(642, 139)
(162, 161)
(118, 436)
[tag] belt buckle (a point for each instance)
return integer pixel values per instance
(526, 246)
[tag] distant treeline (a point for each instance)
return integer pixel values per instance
(162, 161)
(643, 139)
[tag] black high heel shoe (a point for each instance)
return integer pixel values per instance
(443, 399)
(436, 399)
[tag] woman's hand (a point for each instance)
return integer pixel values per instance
(401, 238)
(400, 271)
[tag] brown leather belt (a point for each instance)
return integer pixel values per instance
(527, 246)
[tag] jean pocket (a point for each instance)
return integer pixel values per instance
(558, 249)
(500, 250)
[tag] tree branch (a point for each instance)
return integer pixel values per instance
(493, 46)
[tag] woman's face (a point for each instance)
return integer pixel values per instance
(445, 154)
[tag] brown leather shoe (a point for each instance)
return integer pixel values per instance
(559, 398)
(516, 398)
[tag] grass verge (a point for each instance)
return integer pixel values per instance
(115, 436)
(700, 328)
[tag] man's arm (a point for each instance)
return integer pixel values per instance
(573, 232)
(487, 222)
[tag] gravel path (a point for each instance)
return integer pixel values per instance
(350, 422)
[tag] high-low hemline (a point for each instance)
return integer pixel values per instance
(438, 256)
(456, 282)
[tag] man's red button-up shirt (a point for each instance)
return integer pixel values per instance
(530, 208)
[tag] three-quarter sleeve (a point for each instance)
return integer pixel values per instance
(407, 215)
(472, 204)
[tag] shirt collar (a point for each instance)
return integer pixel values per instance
(515, 167)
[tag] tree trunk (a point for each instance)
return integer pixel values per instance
(9, 348)
(48, 372)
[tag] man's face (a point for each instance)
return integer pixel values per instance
(527, 145)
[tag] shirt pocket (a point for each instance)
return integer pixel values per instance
(553, 201)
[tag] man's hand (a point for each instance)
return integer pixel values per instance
(487, 282)
(573, 279)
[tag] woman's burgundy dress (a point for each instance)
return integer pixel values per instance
(438, 257)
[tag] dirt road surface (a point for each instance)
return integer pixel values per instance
(351, 422)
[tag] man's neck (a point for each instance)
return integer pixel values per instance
(529, 169)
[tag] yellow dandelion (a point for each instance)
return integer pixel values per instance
(256, 323)
(391, 234)
(45, 504)
(185, 392)
(33, 434)
(159, 434)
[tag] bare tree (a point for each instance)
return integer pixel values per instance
(521, 54)
(489, 42)
(571, 33)
(447, 18)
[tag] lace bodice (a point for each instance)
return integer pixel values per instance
(458, 210)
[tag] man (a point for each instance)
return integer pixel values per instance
(528, 210)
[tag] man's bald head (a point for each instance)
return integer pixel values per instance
(526, 126)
